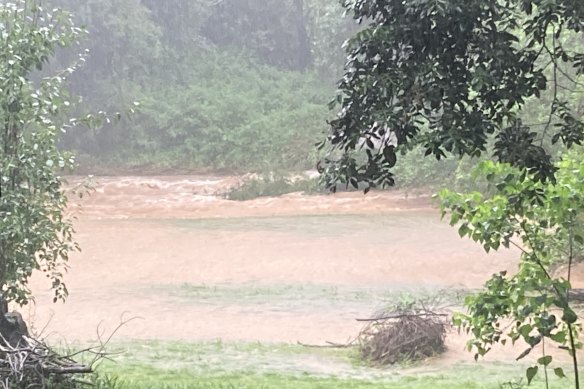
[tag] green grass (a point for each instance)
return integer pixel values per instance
(466, 377)
(229, 381)
(218, 365)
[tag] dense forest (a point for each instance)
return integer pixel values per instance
(223, 86)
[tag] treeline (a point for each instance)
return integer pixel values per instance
(233, 85)
(225, 85)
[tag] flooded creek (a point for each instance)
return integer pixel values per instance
(194, 266)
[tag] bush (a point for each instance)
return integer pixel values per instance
(228, 113)
(270, 185)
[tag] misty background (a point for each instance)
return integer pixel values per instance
(231, 85)
(225, 86)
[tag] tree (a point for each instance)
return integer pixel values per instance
(275, 30)
(34, 231)
(328, 29)
(453, 76)
(544, 221)
(181, 21)
(124, 50)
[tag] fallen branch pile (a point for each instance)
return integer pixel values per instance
(33, 364)
(28, 363)
(405, 335)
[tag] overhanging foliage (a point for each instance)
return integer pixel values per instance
(450, 75)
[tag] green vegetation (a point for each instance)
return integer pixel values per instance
(220, 91)
(415, 171)
(544, 220)
(34, 232)
(273, 185)
(457, 78)
(215, 365)
(231, 114)
(217, 92)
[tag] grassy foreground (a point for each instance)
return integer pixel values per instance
(218, 365)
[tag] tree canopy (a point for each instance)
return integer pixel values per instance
(454, 77)
(274, 29)
(34, 231)
(224, 85)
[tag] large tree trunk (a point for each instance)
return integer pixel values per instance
(12, 327)
(304, 58)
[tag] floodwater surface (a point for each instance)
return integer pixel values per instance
(190, 265)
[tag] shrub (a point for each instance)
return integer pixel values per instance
(270, 185)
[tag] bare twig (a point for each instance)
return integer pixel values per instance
(406, 315)
(32, 363)
(328, 344)
(102, 344)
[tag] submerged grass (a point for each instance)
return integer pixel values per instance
(271, 186)
(311, 296)
(374, 228)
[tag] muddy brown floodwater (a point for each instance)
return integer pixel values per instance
(194, 266)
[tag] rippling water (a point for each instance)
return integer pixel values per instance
(203, 196)
(194, 265)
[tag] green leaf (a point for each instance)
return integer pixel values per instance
(525, 330)
(545, 360)
(524, 354)
(559, 337)
(531, 373)
(569, 316)
(533, 340)
(558, 371)
(463, 230)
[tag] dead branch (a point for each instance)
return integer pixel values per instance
(32, 363)
(406, 315)
(330, 344)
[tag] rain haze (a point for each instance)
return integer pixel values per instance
(253, 189)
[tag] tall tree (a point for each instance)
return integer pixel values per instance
(34, 231)
(328, 29)
(274, 29)
(181, 22)
(450, 75)
(123, 54)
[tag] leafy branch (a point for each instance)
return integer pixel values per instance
(542, 216)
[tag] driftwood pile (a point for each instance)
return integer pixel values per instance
(29, 363)
(32, 364)
(403, 335)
